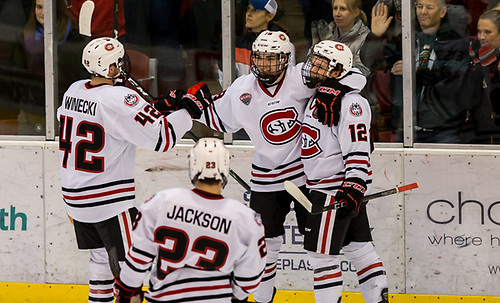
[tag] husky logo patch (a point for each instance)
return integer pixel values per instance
(355, 110)
(246, 98)
(131, 100)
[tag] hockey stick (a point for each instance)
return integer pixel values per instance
(85, 18)
(293, 190)
(115, 19)
(195, 138)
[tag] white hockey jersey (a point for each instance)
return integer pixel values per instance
(331, 154)
(197, 247)
(272, 119)
(100, 127)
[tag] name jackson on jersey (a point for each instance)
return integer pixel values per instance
(200, 218)
(80, 105)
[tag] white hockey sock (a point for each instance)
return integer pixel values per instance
(264, 292)
(371, 272)
(101, 278)
(327, 277)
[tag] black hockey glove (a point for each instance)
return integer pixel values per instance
(328, 100)
(124, 294)
(350, 195)
(168, 103)
(198, 98)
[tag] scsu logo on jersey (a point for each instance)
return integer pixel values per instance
(355, 110)
(131, 100)
(280, 126)
(310, 138)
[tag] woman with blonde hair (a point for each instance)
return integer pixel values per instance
(349, 26)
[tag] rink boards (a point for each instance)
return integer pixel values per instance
(441, 239)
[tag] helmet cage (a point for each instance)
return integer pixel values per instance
(338, 57)
(316, 69)
(268, 67)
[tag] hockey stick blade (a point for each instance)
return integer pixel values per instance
(85, 18)
(293, 190)
(146, 95)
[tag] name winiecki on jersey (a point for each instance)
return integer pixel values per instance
(200, 218)
(80, 105)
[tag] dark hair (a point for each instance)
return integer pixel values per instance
(63, 18)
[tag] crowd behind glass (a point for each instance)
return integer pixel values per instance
(457, 43)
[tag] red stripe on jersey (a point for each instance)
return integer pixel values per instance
(374, 265)
(212, 117)
(330, 276)
(248, 288)
(136, 260)
(327, 226)
(286, 171)
(127, 229)
(103, 194)
(192, 289)
(167, 134)
(101, 291)
(357, 162)
(309, 182)
(271, 269)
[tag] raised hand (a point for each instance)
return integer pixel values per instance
(380, 19)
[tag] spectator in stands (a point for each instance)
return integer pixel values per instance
(348, 27)
(444, 87)
(31, 119)
(484, 52)
(259, 17)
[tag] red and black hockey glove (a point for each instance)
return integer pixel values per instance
(124, 293)
(196, 99)
(350, 195)
(170, 102)
(328, 100)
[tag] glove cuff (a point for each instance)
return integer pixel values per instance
(355, 183)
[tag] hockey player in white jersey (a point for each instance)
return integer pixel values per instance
(269, 105)
(100, 127)
(336, 155)
(197, 245)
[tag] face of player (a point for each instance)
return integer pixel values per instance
(39, 11)
(257, 20)
(319, 68)
(429, 14)
(487, 32)
(268, 64)
(343, 17)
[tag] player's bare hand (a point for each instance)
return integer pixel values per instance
(380, 19)
(397, 68)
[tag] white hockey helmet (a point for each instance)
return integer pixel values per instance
(100, 53)
(209, 159)
(275, 43)
(338, 54)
